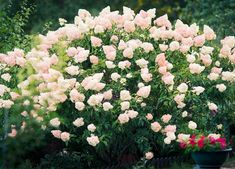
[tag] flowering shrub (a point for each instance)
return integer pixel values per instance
(212, 142)
(124, 83)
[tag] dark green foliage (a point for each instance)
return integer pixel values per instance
(48, 11)
(13, 21)
(218, 14)
(62, 160)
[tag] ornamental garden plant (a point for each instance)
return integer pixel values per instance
(212, 142)
(120, 86)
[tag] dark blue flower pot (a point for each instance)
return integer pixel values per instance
(209, 160)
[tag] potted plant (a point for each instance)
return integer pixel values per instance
(209, 151)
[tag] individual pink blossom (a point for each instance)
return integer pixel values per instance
(115, 76)
(156, 127)
(6, 77)
(232, 58)
(228, 76)
(199, 40)
(122, 45)
(56, 133)
(129, 26)
(96, 42)
(107, 106)
(149, 116)
(125, 105)
(225, 51)
(125, 95)
(20, 61)
(10, 60)
(166, 118)
(163, 21)
(168, 78)
(206, 50)
(162, 70)
(91, 127)
(78, 122)
(143, 23)
(124, 64)
(149, 155)
(170, 128)
(177, 36)
(192, 125)
(184, 48)
(65, 136)
(144, 91)
(132, 114)
(108, 94)
(163, 47)
(167, 140)
(110, 64)
(72, 70)
(123, 118)
(174, 45)
(114, 38)
(55, 122)
(212, 106)
(221, 87)
(142, 63)
(128, 53)
(147, 77)
(54, 59)
(99, 29)
(82, 13)
(24, 113)
(228, 41)
(147, 47)
(169, 66)
(81, 56)
(179, 98)
(93, 140)
(198, 90)
(182, 88)
(94, 59)
(13, 133)
(206, 59)
(110, 52)
(183, 137)
(187, 41)
(196, 68)
(216, 70)
(171, 135)
(79, 105)
(95, 99)
(72, 51)
(161, 59)
(209, 33)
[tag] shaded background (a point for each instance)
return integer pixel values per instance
(48, 11)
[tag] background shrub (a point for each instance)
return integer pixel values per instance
(219, 14)
(13, 19)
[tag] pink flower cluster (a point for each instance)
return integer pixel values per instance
(102, 86)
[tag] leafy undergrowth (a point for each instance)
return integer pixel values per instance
(230, 163)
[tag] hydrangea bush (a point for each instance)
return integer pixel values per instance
(123, 83)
